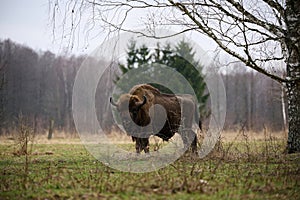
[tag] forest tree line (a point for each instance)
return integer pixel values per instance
(39, 86)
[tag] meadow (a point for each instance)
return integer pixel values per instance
(242, 166)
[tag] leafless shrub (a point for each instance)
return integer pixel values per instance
(23, 137)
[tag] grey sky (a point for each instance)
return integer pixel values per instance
(27, 22)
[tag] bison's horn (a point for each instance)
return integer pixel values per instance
(112, 102)
(144, 101)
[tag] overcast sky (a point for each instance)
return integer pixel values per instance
(27, 22)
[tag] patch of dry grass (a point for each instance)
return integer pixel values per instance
(229, 136)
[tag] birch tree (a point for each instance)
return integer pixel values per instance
(262, 34)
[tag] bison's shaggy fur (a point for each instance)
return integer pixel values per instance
(180, 112)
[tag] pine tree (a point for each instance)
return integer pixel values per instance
(180, 58)
(185, 63)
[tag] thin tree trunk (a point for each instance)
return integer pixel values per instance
(283, 109)
(292, 41)
(50, 132)
(252, 99)
(293, 96)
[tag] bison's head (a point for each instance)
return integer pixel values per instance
(133, 111)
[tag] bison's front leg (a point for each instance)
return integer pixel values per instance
(142, 144)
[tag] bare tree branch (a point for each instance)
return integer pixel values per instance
(241, 31)
(207, 30)
(276, 5)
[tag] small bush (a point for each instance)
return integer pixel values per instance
(24, 136)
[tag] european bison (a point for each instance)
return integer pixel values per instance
(136, 111)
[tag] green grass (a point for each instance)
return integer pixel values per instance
(239, 170)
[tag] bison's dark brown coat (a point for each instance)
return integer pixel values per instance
(135, 107)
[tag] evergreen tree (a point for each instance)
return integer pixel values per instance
(180, 58)
(185, 63)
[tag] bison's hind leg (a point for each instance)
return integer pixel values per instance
(189, 139)
(194, 143)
